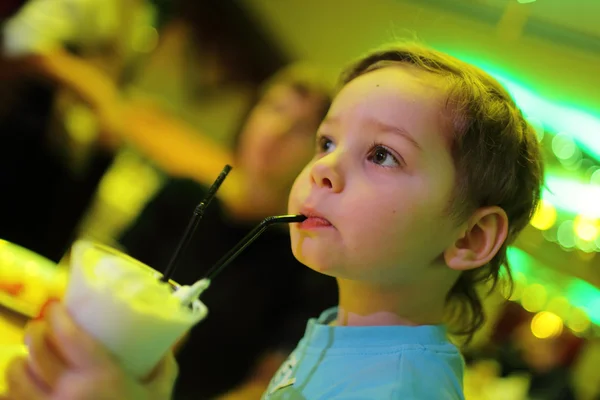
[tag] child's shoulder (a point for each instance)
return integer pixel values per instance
(372, 367)
(406, 371)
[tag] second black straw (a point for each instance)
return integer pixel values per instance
(193, 224)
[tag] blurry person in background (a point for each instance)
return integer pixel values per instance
(211, 59)
(183, 106)
(61, 62)
(72, 72)
(265, 290)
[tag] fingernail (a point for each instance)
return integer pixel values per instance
(44, 308)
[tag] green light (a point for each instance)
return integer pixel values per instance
(566, 235)
(583, 127)
(572, 196)
(585, 296)
(519, 261)
(579, 293)
(563, 146)
(574, 124)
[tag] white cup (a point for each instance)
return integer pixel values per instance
(139, 333)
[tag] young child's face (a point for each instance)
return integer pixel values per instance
(381, 180)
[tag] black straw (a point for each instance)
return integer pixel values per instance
(193, 224)
(248, 239)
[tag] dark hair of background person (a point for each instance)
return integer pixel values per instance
(228, 30)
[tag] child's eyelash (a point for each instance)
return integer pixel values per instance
(322, 140)
(375, 146)
(322, 143)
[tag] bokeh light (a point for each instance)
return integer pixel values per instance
(545, 325)
(595, 177)
(586, 228)
(534, 297)
(563, 146)
(566, 235)
(537, 126)
(578, 321)
(544, 216)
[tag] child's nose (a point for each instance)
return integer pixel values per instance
(325, 174)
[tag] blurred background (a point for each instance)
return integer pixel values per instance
(102, 102)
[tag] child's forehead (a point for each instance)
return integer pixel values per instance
(391, 94)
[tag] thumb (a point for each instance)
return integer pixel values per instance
(78, 349)
(162, 380)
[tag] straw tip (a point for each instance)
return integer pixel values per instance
(299, 218)
(286, 218)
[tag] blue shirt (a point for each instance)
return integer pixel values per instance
(371, 362)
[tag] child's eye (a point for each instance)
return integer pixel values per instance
(324, 145)
(381, 155)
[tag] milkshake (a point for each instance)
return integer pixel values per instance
(125, 306)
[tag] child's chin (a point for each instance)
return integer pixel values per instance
(314, 253)
(325, 270)
(316, 263)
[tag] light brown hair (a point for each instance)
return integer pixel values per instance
(496, 154)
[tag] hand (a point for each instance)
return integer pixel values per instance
(68, 364)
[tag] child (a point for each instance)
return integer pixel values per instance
(421, 163)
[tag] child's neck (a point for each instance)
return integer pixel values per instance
(362, 304)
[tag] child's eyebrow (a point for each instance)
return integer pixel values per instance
(380, 126)
(329, 121)
(383, 127)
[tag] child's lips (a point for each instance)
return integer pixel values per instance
(314, 220)
(315, 223)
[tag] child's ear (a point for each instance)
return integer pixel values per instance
(485, 233)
